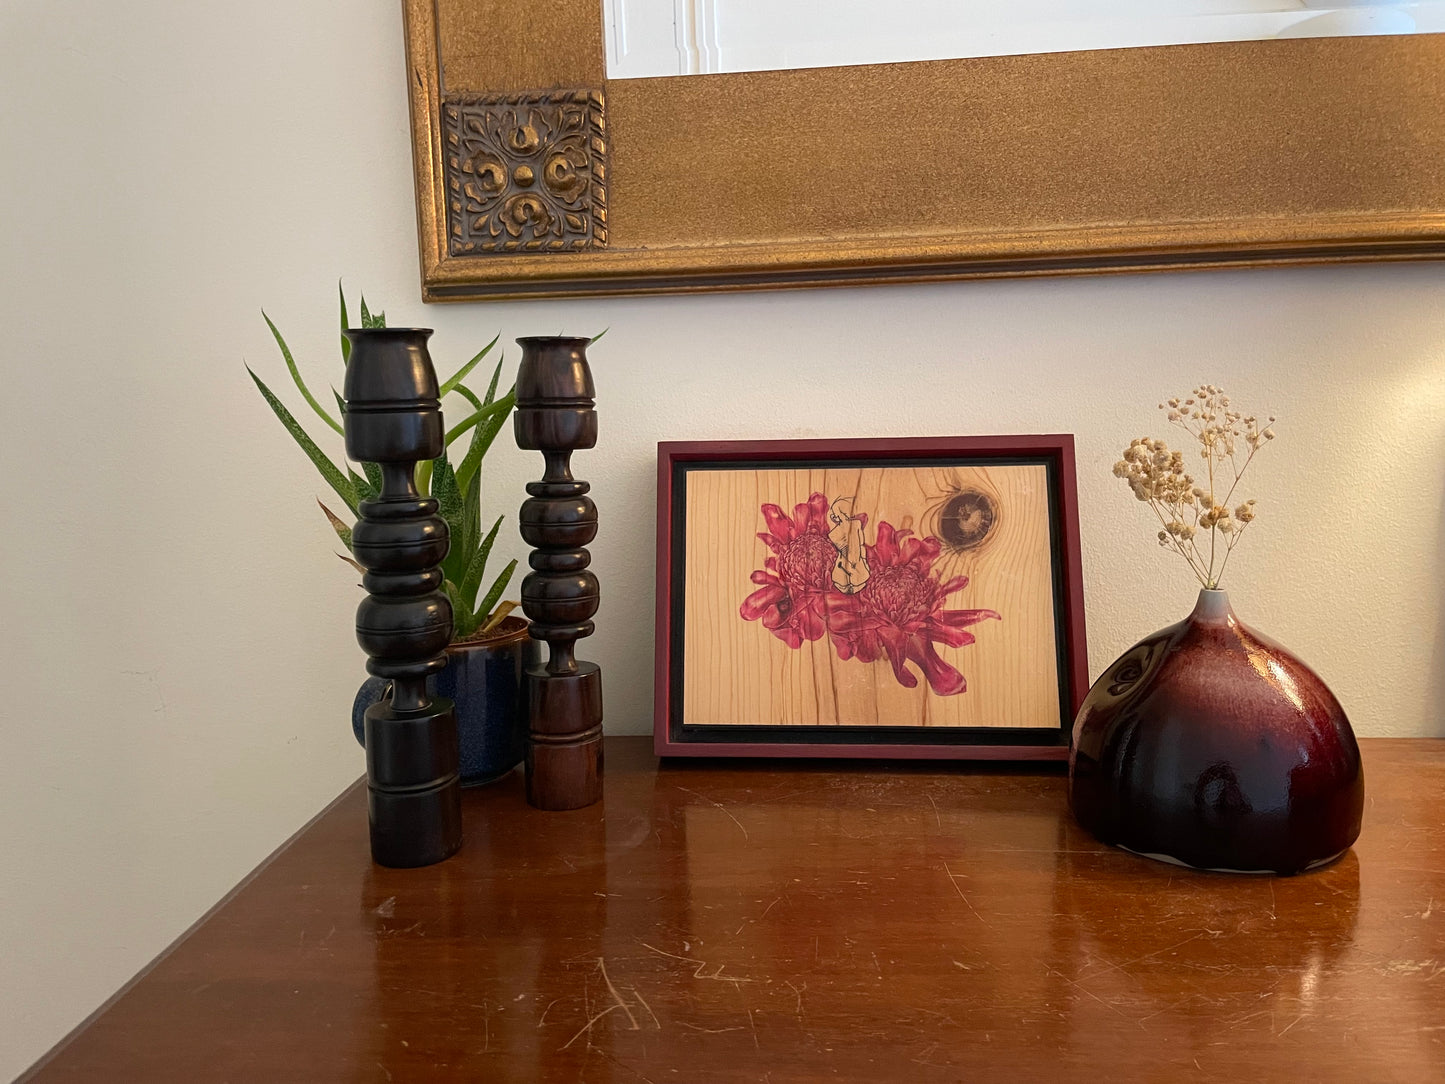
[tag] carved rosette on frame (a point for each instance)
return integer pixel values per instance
(526, 172)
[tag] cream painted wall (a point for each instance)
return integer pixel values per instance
(175, 646)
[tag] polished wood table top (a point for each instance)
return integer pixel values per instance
(777, 922)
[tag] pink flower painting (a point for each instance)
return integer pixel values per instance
(792, 599)
(873, 601)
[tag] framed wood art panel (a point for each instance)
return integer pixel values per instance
(905, 598)
(536, 175)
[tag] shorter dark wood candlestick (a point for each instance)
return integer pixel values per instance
(555, 416)
(393, 418)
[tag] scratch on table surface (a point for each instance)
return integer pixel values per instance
(387, 907)
(588, 1026)
(716, 976)
(660, 952)
(643, 1002)
(1169, 1008)
(1429, 908)
(936, 815)
(1085, 990)
(1108, 966)
(954, 881)
(1291, 1024)
(1410, 967)
(602, 966)
(623, 1065)
(710, 1031)
(724, 808)
(1246, 1019)
(770, 906)
(921, 1058)
(797, 1009)
(547, 1010)
(756, 1045)
(385, 1070)
(1272, 914)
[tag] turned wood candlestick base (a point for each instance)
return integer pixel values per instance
(555, 416)
(393, 418)
(564, 763)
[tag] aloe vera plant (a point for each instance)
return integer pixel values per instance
(458, 489)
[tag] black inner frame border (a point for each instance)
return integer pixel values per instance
(814, 734)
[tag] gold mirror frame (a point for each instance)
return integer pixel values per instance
(538, 176)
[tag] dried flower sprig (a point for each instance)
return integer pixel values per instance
(1228, 441)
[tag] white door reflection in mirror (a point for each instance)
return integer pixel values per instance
(690, 37)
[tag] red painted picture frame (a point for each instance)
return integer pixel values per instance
(673, 736)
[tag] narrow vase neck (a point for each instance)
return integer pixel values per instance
(1213, 608)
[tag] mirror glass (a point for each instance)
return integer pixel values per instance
(690, 37)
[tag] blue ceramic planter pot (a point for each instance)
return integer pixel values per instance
(484, 680)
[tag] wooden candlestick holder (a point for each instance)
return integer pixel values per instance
(393, 418)
(555, 416)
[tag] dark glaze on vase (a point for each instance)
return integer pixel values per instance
(1210, 745)
(555, 416)
(393, 418)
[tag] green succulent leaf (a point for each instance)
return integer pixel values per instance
(598, 336)
(470, 396)
(477, 433)
(296, 376)
(480, 416)
(373, 475)
(449, 501)
(365, 490)
(339, 525)
(498, 586)
(492, 387)
(345, 325)
(462, 373)
(471, 530)
(463, 622)
(368, 320)
(485, 434)
(343, 486)
(477, 566)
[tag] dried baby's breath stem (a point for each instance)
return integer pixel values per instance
(1156, 474)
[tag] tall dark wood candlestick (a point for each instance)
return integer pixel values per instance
(555, 416)
(393, 418)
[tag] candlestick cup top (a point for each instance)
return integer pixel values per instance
(554, 395)
(393, 407)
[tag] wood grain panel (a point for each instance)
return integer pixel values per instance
(736, 672)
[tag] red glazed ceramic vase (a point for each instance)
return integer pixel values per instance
(1210, 745)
